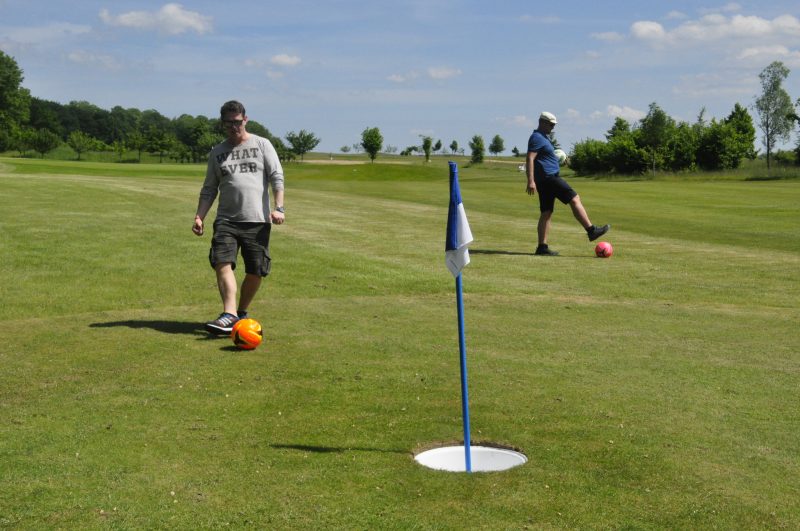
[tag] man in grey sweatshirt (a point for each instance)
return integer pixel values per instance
(242, 171)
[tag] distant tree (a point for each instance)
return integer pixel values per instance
(160, 142)
(437, 146)
(454, 147)
(390, 149)
(80, 142)
(14, 99)
(478, 150)
(774, 107)
(302, 142)
(719, 147)
(345, 149)
(46, 115)
(620, 128)
(497, 145)
(590, 157)
(409, 150)
(796, 118)
(123, 122)
(44, 141)
(515, 151)
(21, 139)
(372, 141)
(206, 142)
(427, 144)
(742, 123)
(137, 142)
(118, 147)
(654, 131)
(622, 155)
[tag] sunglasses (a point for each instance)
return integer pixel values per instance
(230, 123)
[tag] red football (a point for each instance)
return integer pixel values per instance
(603, 250)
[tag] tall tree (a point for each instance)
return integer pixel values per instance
(454, 146)
(742, 123)
(302, 142)
(427, 144)
(478, 149)
(44, 141)
(80, 142)
(654, 132)
(372, 141)
(14, 100)
(774, 107)
(497, 146)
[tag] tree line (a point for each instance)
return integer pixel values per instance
(658, 142)
(30, 123)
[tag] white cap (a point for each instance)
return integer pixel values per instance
(548, 117)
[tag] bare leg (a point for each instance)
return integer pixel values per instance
(250, 286)
(544, 226)
(226, 282)
(579, 212)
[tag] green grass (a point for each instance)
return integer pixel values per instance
(656, 389)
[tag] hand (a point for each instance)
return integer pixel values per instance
(277, 217)
(531, 188)
(197, 228)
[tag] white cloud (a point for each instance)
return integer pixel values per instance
(647, 30)
(285, 60)
(171, 19)
(520, 120)
(44, 34)
(88, 58)
(676, 15)
(443, 72)
(760, 55)
(715, 86)
(717, 28)
(628, 113)
(403, 78)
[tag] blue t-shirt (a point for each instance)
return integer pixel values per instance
(546, 162)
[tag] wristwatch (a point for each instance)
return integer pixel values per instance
(280, 209)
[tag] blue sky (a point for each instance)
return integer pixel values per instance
(444, 68)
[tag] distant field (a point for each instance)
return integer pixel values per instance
(655, 389)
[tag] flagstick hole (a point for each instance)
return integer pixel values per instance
(483, 459)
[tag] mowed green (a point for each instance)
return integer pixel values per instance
(655, 389)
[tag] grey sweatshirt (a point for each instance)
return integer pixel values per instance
(242, 176)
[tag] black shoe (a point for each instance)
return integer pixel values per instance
(222, 324)
(544, 250)
(241, 314)
(595, 232)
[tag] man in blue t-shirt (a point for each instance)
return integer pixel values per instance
(542, 169)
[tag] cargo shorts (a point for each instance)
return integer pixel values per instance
(253, 240)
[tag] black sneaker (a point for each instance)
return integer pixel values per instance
(241, 314)
(595, 232)
(222, 324)
(544, 250)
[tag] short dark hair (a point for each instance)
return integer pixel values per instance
(232, 106)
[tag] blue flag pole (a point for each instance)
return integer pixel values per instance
(462, 348)
(458, 239)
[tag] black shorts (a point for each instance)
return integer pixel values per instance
(251, 238)
(551, 187)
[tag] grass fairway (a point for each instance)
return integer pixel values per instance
(656, 389)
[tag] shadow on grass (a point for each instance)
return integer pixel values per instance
(334, 449)
(168, 327)
(507, 253)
